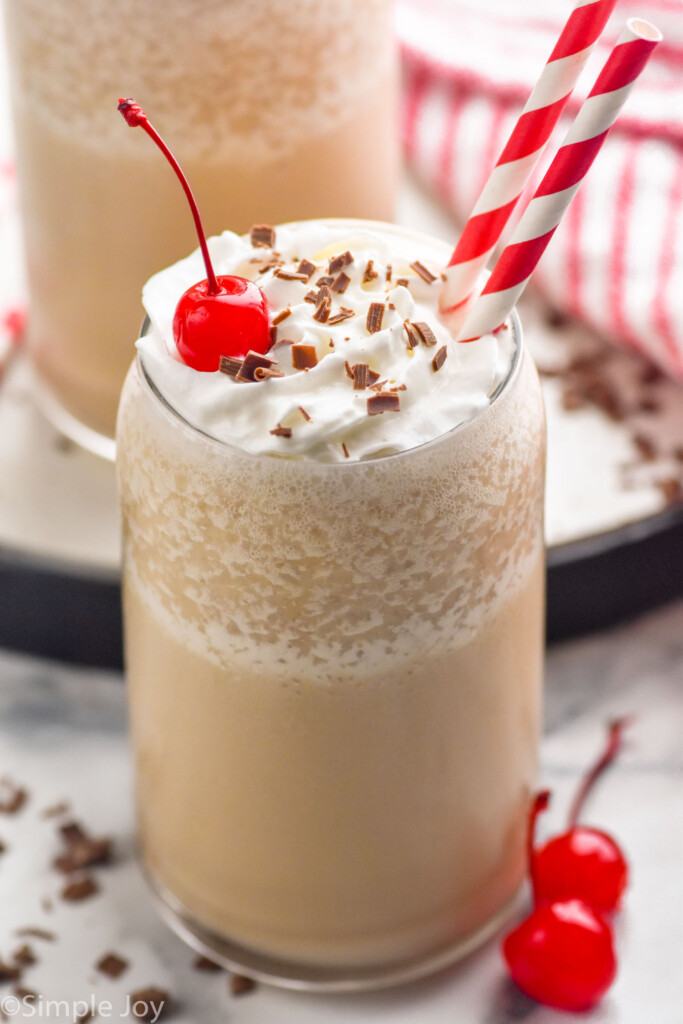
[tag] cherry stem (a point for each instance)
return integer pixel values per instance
(540, 802)
(615, 739)
(135, 117)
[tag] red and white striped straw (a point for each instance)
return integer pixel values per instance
(522, 150)
(562, 179)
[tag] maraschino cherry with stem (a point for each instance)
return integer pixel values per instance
(562, 954)
(220, 316)
(585, 862)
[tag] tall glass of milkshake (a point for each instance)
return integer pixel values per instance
(333, 598)
(279, 111)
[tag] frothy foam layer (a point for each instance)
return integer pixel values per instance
(309, 63)
(321, 412)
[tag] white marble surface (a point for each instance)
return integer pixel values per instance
(63, 735)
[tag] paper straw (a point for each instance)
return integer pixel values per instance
(562, 179)
(526, 143)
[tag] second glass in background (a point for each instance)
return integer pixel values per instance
(276, 111)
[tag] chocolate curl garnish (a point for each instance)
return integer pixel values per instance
(135, 117)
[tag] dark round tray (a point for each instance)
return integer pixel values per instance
(69, 613)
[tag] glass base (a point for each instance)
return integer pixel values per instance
(292, 975)
(68, 425)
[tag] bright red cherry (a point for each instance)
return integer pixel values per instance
(584, 862)
(562, 955)
(221, 316)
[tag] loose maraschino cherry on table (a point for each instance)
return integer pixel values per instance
(562, 954)
(220, 316)
(585, 862)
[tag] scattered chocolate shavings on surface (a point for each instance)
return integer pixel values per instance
(423, 272)
(24, 993)
(372, 378)
(389, 272)
(427, 336)
(341, 283)
(240, 984)
(279, 431)
(202, 963)
(311, 297)
(369, 274)
(440, 358)
(646, 448)
(375, 317)
(307, 268)
(383, 403)
(323, 305)
(672, 489)
(82, 851)
(12, 796)
(80, 889)
(338, 263)
(281, 317)
(343, 314)
(31, 932)
(262, 235)
(347, 367)
(150, 1004)
(304, 357)
(327, 279)
(230, 365)
(24, 956)
(251, 362)
(402, 282)
(9, 972)
(377, 384)
(266, 372)
(304, 413)
(345, 450)
(112, 965)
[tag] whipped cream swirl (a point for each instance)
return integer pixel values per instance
(316, 412)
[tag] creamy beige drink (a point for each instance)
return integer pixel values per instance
(333, 643)
(277, 110)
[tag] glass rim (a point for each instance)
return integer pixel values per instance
(513, 320)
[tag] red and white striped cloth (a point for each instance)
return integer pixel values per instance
(616, 260)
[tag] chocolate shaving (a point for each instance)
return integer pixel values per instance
(279, 431)
(402, 282)
(262, 235)
(413, 336)
(369, 274)
(9, 972)
(291, 275)
(375, 317)
(240, 984)
(304, 413)
(389, 272)
(149, 1003)
(265, 372)
(55, 810)
(440, 358)
(360, 376)
(343, 314)
(112, 965)
(372, 378)
(80, 889)
(230, 365)
(345, 450)
(24, 956)
(672, 490)
(21, 992)
(338, 263)
(349, 371)
(202, 963)
(399, 387)
(647, 450)
(277, 320)
(383, 403)
(307, 268)
(322, 309)
(377, 385)
(427, 335)
(89, 1014)
(423, 272)
(311, 296)
(253, 361)
(35, 933)
(82, 850)
(304, 357)
(12, 797)
(327, 279)
(341, 283)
